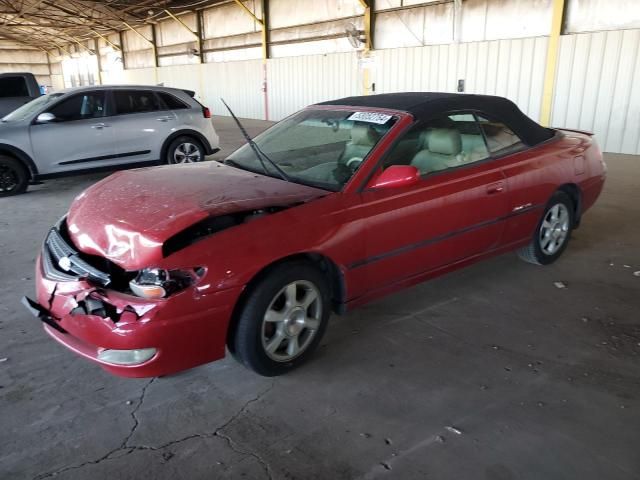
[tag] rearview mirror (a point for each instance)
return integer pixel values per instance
(45, 117)
(397, 176)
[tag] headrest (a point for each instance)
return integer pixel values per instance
(423, 139)
(444, 141)
(363, 135)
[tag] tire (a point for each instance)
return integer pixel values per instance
(276, 318)
(185, 149)
(552, 233)
(14, 176)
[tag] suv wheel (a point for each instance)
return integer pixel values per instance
(14, 177)
(185, 150)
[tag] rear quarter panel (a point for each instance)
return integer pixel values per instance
(534, 175)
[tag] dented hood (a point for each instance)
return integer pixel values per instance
(128, 216)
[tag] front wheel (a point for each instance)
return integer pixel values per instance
(552, 233)
(185, 150)
(14, 177)
(283, 319)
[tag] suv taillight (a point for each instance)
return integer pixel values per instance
(206, 112)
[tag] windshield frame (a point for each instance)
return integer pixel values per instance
(370, 159)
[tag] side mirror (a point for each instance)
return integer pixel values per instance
(45, 117)
(397, 176)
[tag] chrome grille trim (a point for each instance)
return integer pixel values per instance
(55, 248)
(52, 272)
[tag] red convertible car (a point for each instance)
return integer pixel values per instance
(157, 270)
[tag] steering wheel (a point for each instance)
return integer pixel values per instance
(353, 163)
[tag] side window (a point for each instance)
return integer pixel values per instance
(500, 138)
(13, 87)
(441, 143)
(135, 101)
(171, 102)
(80, 107)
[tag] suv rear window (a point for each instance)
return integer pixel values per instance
(135, 101)
(172, 102)
(13, 87)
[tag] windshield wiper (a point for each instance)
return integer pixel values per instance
(260, 155)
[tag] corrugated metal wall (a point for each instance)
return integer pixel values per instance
(239, 83)
(295, 82)
(17, 58)
(509, 68)
(598, 88)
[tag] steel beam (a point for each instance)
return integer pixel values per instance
(184, 25)
(246, 9)
(111, 44)
(200, 32)
(552, 61)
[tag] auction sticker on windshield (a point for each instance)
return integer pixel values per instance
(370, 117)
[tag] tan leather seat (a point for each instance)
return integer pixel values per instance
(441, 148)
(363, 138)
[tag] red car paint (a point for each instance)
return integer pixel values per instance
(379, 239)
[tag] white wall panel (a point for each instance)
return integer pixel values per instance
(285, 13)
(509, 68)
(170, 32)
(595, 15)
(229, 19)
(137, 76)
(239, 83)
(597, 88)
(295, 82)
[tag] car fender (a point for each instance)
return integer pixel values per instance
(20, 155)
(186, 131)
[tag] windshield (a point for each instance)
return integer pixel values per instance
(27, 110)
(322, 148)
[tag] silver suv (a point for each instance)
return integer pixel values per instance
(90, 128)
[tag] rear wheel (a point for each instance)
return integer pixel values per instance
(552, 233)
(185, 149)
(283, 319)
(14, 177)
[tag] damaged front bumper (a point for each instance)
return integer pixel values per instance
(185, 330)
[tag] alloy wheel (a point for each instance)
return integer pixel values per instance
(8, 179)
(186, 153)
(554, 229)
(291, 321)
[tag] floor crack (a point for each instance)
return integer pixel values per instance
(128, 449)
(136, 421)
(111, 454)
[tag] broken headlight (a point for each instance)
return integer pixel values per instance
(154, 283)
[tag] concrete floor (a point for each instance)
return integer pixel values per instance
(487, 373)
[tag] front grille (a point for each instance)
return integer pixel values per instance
(55, 249)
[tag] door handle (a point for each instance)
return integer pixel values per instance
(99, 126)
(163, 119)
(494, 188)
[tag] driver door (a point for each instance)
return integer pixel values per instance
(80, 137)
(455, 212)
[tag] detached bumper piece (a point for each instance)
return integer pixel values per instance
(41, 313)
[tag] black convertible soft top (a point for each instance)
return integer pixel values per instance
(427, 105)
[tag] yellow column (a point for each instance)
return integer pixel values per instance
(366, 71)
(552, 60)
